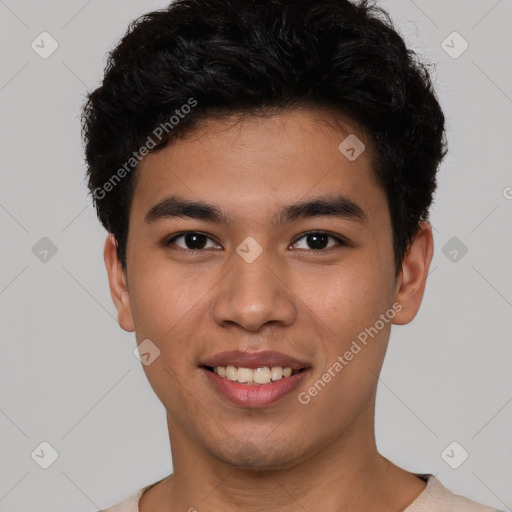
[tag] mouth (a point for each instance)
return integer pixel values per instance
(254, 379)
(254, 368)
(250, 394)
(259, 376)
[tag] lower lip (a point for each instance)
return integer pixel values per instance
(257, 395)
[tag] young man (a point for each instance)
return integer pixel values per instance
(265, 170)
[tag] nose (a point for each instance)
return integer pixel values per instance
(254, 294)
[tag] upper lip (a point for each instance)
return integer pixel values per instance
(254, 360)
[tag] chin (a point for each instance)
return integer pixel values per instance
(260, 456)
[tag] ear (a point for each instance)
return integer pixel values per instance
(413, 275)
(118, 284)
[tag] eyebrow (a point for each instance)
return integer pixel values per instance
(338, 206)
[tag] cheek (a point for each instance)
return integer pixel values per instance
(348, 297)
(353, 344)
(164, 302)
(165, 306)
(350, 302)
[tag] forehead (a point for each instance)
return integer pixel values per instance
(253, 162)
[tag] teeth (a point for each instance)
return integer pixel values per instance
(244, 375)
(262, 375)
(276, 373)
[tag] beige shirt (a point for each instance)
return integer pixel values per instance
(434, 498)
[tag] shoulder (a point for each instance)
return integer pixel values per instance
(438, 498)
(130, 504)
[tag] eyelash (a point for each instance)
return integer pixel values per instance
(340, 240)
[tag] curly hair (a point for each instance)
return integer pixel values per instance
(242, 57)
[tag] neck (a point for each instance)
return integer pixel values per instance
(347, 473)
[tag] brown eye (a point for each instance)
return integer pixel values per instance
(192, 241)
(318, 241)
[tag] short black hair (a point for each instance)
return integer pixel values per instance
(200, 59)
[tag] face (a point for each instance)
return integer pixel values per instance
(256, 269)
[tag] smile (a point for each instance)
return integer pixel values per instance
(254, 376)
(250, 392)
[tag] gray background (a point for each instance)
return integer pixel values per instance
(68, 375)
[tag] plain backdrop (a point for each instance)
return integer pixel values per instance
(68, 376)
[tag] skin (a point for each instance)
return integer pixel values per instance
(306, 302)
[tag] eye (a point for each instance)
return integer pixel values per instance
(318, 240)
(196, 241)
(192, 240)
